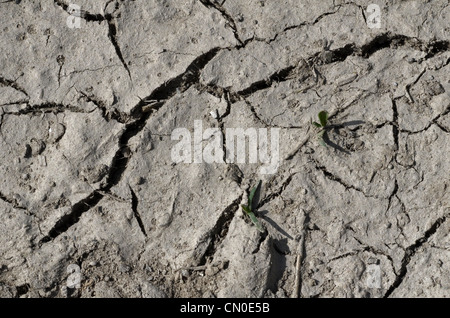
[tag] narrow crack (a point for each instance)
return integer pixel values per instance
(279, 76)
(276, 194)
(395, 130)
(332, 177)
(112, 34)
(352, 253)
(363, 13)
(61, 64)
(387, 40)
(409, 85)
(51, 107)
(443, 65)
(433, 121)
(226, 16)
(13, 84)
(222, 128)
(213, 90)
(66, 221)
(393, 194)
(219, 231)
(107, 114)
(383, 41)
(403, 210)
(410, 252)
(11, 201)
(376, 251)
(301, 258)
(444, 129)
(436, 47)
(175, 85)
(254, 113)
(134, 207)
(297, 26)
(261, 240)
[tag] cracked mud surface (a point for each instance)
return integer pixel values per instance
(86, 117)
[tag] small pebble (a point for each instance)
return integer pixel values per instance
(42, 161)
(214, 114)
(129, 214)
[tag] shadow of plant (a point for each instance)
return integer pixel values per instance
(264, 216)
(344, 136)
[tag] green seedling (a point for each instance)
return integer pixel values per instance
(323, 121)
(249, 208)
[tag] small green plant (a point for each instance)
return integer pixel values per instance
(249, 208)
(323, 121)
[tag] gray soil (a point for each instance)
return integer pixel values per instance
(89, 192)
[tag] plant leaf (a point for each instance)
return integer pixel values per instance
(316, 124)
(256, 222)
(246, 209)
(323, 117)
(252, 194)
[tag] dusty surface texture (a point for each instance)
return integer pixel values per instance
(89, 192)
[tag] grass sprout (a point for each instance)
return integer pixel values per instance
(248, 209)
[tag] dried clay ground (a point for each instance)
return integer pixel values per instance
(92, 204)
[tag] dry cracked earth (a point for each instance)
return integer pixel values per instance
(92, 204)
